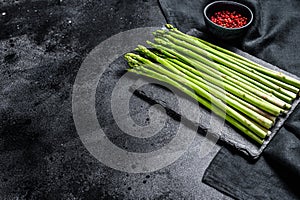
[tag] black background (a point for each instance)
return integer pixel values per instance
(42, 45)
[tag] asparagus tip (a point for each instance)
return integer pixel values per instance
(169, 26)
(131, 59)
(148, 42)
(127, 57)
(155, 34)
(160, 41)
(132, 64)
(141, 49)
(159, 32)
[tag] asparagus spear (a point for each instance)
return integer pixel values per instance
(228, 57)
(262, 86)
(221, 77)
(236, 80)
(243, 78)
(188, 70)
(140, 69)
(262, 105)
(204, 84)
(201, 92)
(278, 82)
(189, 63)
(194, 52)
(269, 72)
(288, 99)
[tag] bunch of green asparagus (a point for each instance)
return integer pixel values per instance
(249, 96)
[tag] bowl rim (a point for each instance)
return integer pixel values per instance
(233, 3)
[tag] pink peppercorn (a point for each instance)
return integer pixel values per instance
(229, 19)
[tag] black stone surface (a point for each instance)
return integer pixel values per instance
(42, 45)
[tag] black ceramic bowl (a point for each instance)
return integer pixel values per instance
(223, 32)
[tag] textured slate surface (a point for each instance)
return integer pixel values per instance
(42, 44)
(231, 136)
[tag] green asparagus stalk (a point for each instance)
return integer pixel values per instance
(286, 86)
(201, 92)
(229, 58)
(231, 77)
(203, 102)
(250, 106)
(253, 65)
(262, 118)
(263, 87)
(140, 69)
(214, 76)
(230, 82)
(247, 80)
(261, 104)
(269, 72)
(194, 52)
(265, 122)
(267, 131)
(236, 80)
